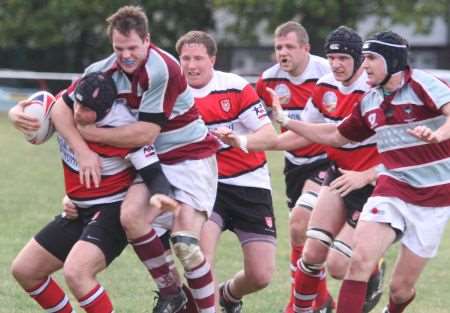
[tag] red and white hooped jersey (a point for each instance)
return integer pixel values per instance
(294, 93)
(332, 102)
(117, 175)
(117, 164)
(229, 100)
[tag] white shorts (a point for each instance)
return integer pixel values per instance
(194, 182)
(422, 227)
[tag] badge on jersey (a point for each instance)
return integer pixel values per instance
(372, 119)
(260, 111)
(284, 93)
(225, 104)
(329, 101)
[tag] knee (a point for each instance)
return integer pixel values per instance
(187, 249)
(337, 267)
(72, 274)
(401, 289)
(260, 279)
(19, 271)
(129, 215)
(260, 276)
(319, 242)
(297, 231)
(361, 264)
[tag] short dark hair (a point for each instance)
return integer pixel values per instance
(126, 19)
(293, 27)
(198, 37)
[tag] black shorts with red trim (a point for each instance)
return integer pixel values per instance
(245, 209)
(99, 225)
(295, 177)
(355, 200)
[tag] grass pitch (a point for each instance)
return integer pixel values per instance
(31, 189)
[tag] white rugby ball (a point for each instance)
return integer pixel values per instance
(41, 104)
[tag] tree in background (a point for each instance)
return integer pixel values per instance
(57, 35)
(66, 35)
(320, 17)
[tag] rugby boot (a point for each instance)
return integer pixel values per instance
(228, 306)
(170, 303)
(190, 306)
(375, 287)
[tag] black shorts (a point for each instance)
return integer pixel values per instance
(244, 209)
(99, 225)
(295, 177)
(355, 200)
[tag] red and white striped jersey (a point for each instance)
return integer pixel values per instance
(331, 102)
(411, 169)
(229, 100)
(117, 164)
(294, 93)
(117, 175)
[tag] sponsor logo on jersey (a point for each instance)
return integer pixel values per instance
(284, 93)
(149, 150)
(225, 104)
(329, 101)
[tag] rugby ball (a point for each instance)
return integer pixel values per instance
(39, 108)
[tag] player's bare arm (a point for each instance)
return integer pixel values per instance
(88, 161)
(262, 139)
(289, 141)
(442, 133)
(323, 133)
(128, 136)
(20, 120)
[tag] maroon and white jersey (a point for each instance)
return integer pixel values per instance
(157, 92)
(229, 100)
(331, 102)
(411, 169)
(294, 93)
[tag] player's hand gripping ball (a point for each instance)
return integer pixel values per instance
(39, 108)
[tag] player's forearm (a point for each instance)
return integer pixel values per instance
(288, 141)
(62, 118)
(262, 139)
(371, 175)
(129, 136)
(323, 133)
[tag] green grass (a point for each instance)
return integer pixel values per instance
(30, 194)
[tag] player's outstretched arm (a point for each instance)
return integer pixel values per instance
(324, 133)
(289, 141)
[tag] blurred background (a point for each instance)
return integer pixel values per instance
(64, 36)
